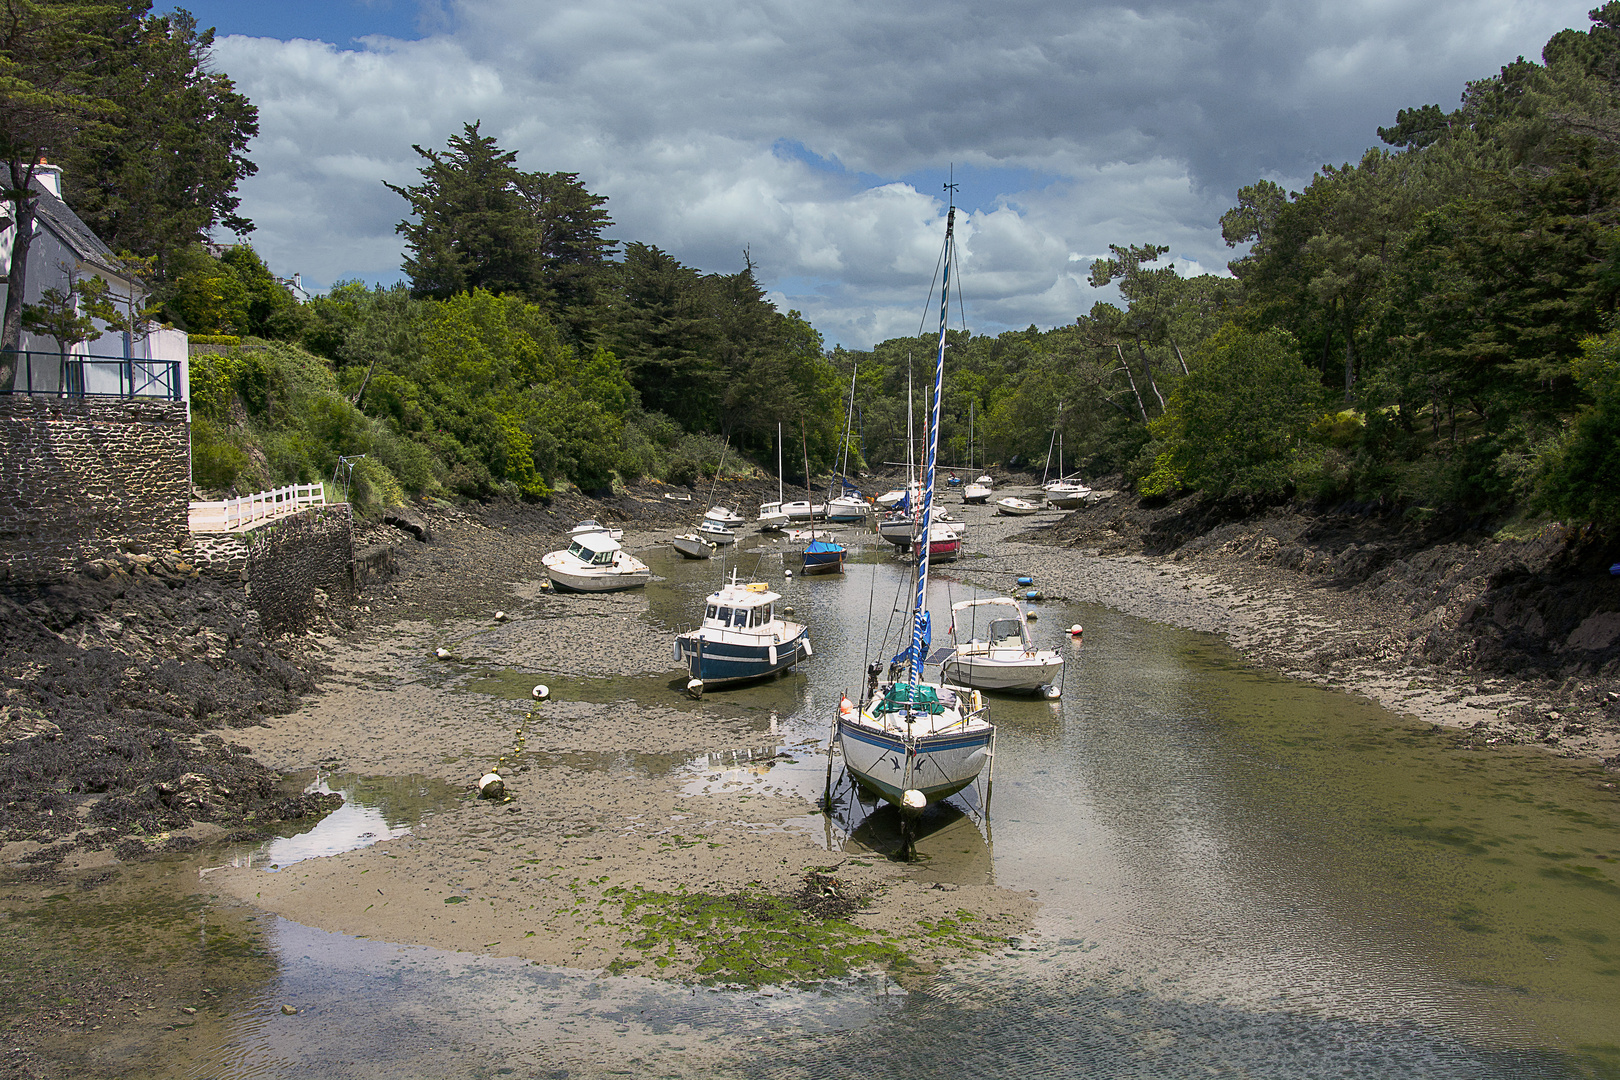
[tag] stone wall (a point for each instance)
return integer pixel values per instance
(80, 477)
(300, 564)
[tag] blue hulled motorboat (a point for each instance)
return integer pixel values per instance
(741, 637)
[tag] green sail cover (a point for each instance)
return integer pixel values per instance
(903, 696)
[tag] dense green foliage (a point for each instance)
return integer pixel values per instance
(1431, 325)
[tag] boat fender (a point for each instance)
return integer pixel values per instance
(772, 654)
(808, 651)
(676, 651)
(846, 707)
(1033, 594)
(1026, 581)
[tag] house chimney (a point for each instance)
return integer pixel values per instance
(49, 177)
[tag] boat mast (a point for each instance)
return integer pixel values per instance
(849, 422)
(919, 610)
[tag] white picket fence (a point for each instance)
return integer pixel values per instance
(247, 511)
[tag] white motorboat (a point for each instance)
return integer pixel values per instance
(913, 740)
(805, 511)
(591, 525)
(715, 532)
(772, 518)
(978, 491)
(694, 546)
(1013, 506)
(742, 637)
(723, 515)
(1004, 657)
(594, 562)
(899, 529)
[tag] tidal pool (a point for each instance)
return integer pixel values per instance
(1240, 876)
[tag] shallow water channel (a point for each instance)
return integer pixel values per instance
(1240, 876)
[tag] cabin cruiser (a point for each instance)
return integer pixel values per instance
(741, 637)
(594, 562)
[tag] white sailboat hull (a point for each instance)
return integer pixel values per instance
(943, 763)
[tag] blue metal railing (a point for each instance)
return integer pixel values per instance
(48, 373)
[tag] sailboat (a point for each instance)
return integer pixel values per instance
(1066, 492)
(822, 555)
(772, 518)
(976, 491)
(847, 506)
(912, 740)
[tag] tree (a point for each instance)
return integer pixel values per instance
(129, 313)
(62, 316)
(1235, 424)
(474, 229)
(47, 95)
(168, 175)
(572, 251)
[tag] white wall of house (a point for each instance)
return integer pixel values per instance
(111, 363)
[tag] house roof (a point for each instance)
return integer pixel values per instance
(55, 215)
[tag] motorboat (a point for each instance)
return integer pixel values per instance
(1004, 658)
(591, 525)
(805, 511)
(771, 518)
(742, 637)
(978, 491)
(914, 740)
(723, 516)
(824, 557)
(594, 562)
(1013, 506)
(716, 533)
(694, 546)
(944, 542)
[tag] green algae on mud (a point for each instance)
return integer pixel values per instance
(754, 937)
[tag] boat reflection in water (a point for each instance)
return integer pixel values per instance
(946, 842)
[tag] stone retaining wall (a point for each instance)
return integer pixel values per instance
(81, 477)
(298, 564)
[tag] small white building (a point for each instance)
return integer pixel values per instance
(117, 364)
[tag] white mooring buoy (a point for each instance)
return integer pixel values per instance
(913, 800)
(695, 688)
(500, 616)
(491, 786)
(442, 654)
(541, 692)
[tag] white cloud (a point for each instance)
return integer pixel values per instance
(1084, 124)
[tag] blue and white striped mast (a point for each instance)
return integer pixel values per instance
(919, 610)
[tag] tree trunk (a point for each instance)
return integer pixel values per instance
(1124, 364)
(22, 199)
(1147, 369)
(1179, 358)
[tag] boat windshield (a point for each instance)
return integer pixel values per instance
(581, 552)
(1006, 632)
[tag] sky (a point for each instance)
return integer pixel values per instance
(817, 136)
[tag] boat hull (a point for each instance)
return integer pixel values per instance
(720, 661)
(824, 562)
(1011, 673)
(1016, 507)
(943, 764)
(694, 547)
(591, 583)
(944, 550)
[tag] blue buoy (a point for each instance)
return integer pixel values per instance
(1026, 581)
(1615, 569)
(1033, 594)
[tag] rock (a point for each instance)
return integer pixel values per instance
(288, 1010)
(407, 520)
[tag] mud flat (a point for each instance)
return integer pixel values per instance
(625, 818)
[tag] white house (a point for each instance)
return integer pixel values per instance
(115, 364)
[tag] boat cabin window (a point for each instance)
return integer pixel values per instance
(602, 558)
(762, 615)
(711, 612)
(740, 617)
(579, 552)
(724, 616)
